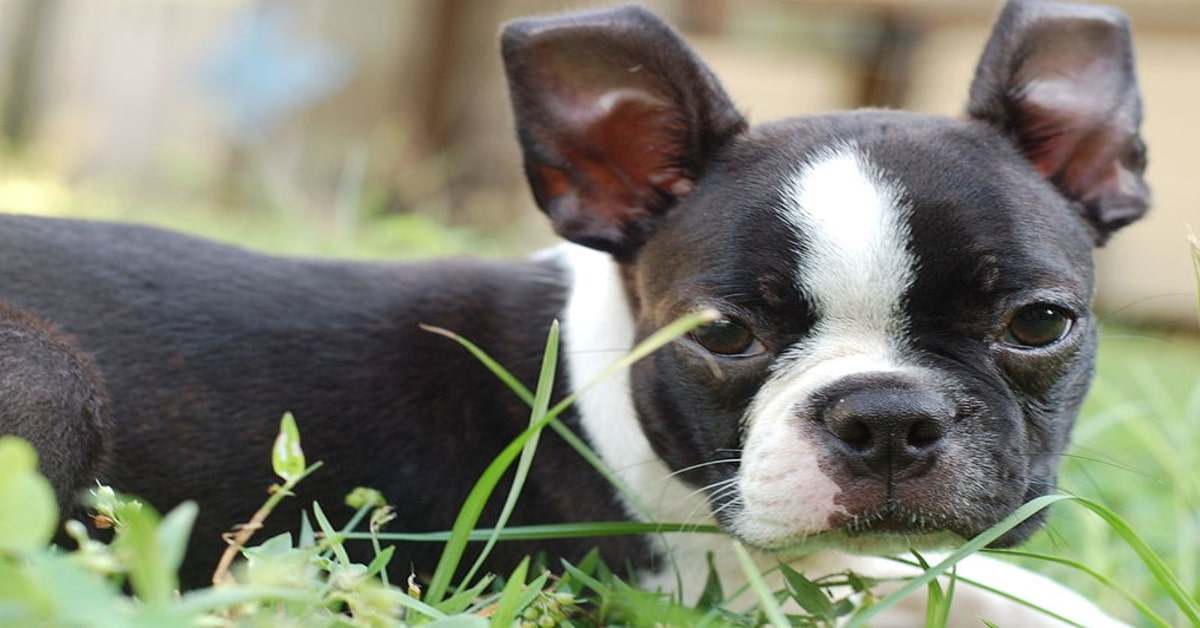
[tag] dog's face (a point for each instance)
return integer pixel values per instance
(904, 336)
(898, 354)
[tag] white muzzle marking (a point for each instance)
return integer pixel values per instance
(855, 268)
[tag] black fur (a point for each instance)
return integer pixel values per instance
(52, 396)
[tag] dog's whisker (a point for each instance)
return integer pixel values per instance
(730, 504)
(709, 494)
(725, 498)
(711, 491)
(1098, 459)
(708, 463)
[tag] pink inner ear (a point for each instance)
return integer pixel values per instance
(1073, 135)
(621, 145)
(1094, 170)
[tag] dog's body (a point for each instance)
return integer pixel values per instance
(294, 335)
(903, 340)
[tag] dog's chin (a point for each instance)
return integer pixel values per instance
(886, 532)
(875, 543)
(883, 535)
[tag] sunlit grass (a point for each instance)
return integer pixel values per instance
(365, 232)
(1136, 450)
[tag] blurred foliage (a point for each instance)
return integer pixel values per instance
(361, 227)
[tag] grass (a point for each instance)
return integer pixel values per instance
(1136, 449)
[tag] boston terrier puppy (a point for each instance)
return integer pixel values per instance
(903, 335)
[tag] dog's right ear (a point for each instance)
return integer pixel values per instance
(616, 117)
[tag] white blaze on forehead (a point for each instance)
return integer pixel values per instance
(855, 268)
(854, 261)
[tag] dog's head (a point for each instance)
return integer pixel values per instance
(905, 335)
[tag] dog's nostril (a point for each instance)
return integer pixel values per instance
(850, 430)
(925, 433)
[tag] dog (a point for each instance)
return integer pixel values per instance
(902, 342)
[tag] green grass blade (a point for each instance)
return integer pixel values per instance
(470, 513)
(811, 596)
(510, 598)
(653, 343)
(602, 590)
(563, 431)
(413, 604)
(461, 621)
(491, 364)
(521, 391)
(380, 562)
(545, 532)
(1184, 600)
(473, 506)
(970, 547)
(1186, 603)
(599, 465)
(533, 590)
(219, 598)
(766, 599)
(149, 576)
(467, 598)
(541, 402)
(1141, 606)
(937, 606)
(333, 537)
(998, 592)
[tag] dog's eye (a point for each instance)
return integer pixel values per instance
(1038, 325)
(725, 337)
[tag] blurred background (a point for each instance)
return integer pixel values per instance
(381, 127)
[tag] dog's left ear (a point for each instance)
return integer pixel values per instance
(1059, 79)
(616, 117)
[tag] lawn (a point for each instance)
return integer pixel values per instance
(1137, 450)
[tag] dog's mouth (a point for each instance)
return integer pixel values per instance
(920, 514)
(876, 535)
(882, 527)
(896, 520)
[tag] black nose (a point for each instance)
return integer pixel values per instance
(892, 431)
